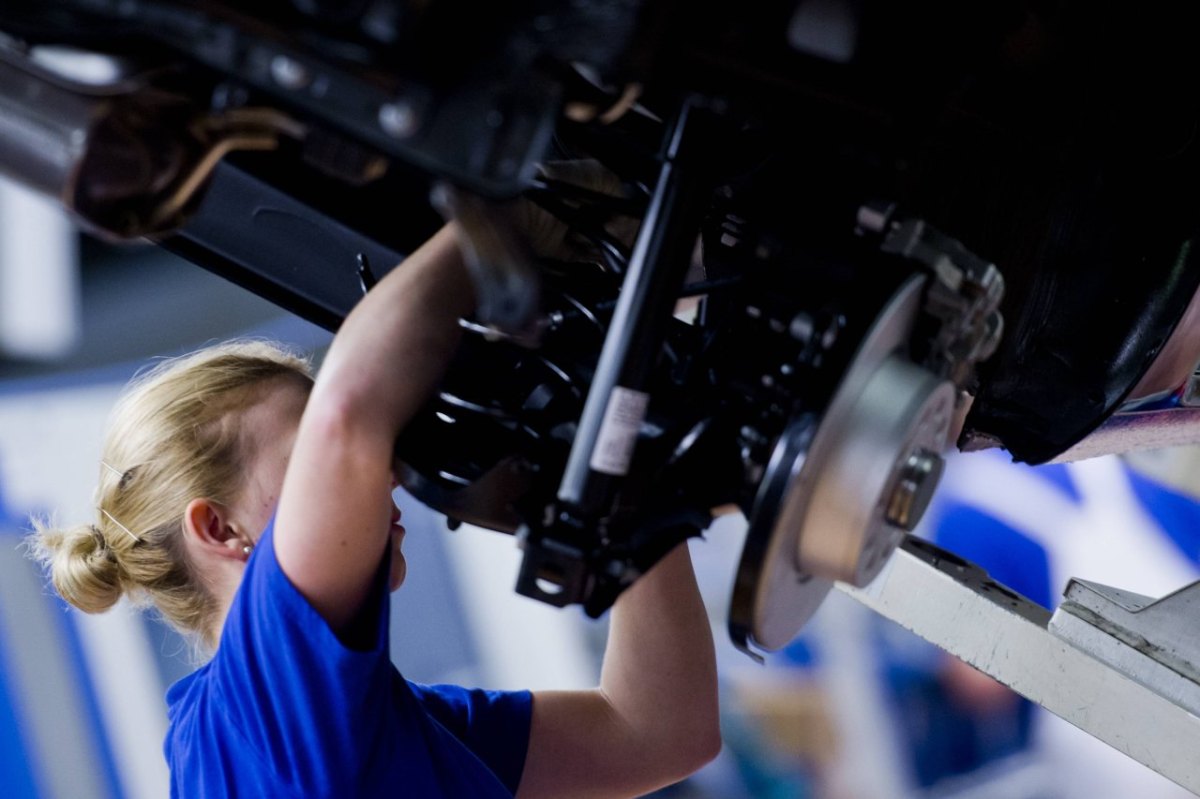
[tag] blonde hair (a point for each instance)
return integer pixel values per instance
(172, 437)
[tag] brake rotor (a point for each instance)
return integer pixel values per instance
(838, 495)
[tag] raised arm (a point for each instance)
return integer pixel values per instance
(333, 519)
(654, 718)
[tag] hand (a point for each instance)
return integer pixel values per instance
(549, 236)
(501, 240)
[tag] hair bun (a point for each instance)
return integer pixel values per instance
(80, 565)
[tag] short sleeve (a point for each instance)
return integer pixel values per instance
(494, 725)
(291, 687)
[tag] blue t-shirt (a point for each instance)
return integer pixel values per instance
(286, 709)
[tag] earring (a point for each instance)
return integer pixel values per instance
(246, 550)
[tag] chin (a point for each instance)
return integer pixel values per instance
(399, 572)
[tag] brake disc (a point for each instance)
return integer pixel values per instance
(838, 495)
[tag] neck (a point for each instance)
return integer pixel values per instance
(223, 586)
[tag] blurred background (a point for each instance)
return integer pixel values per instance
(853, 709)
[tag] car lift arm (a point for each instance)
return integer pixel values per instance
(1120, 666)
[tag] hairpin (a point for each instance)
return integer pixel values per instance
(113, 519)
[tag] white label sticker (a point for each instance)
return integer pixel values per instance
(619, 431)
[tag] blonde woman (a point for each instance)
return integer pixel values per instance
(252, 506)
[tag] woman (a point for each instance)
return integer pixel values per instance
(253, 508)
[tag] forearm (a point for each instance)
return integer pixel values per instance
(333, 515)
(394, 346)
(654, 718)
(659, 670)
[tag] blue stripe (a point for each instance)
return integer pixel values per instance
(10, 527)
(18, 760)
(1177, 514)
(287, 329)
(91, 704)
(1057, 475)
(101, 375)
(1009, 556)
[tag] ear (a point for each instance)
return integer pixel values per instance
(208, 526)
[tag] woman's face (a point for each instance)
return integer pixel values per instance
(274, 422)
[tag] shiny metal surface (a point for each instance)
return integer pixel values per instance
(820, 514)
(772, 599)
(914, 489)
(842, 517)
(44, 128)
(1160, 629)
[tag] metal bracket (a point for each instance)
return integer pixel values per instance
(1140, 699)
(1145, 638)
(964, 292)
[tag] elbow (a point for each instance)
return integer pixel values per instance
(711, 747)
(333, 417)
(669, 748)
(344, 409)
(704, 729)
(349, 434)
(690, 749)
(703, 747)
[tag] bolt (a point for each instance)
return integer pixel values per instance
(398, 119)
(289, 73)
(830, 336)
(752, 436)
(801, 328)
(874, 216)
(914, 489)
